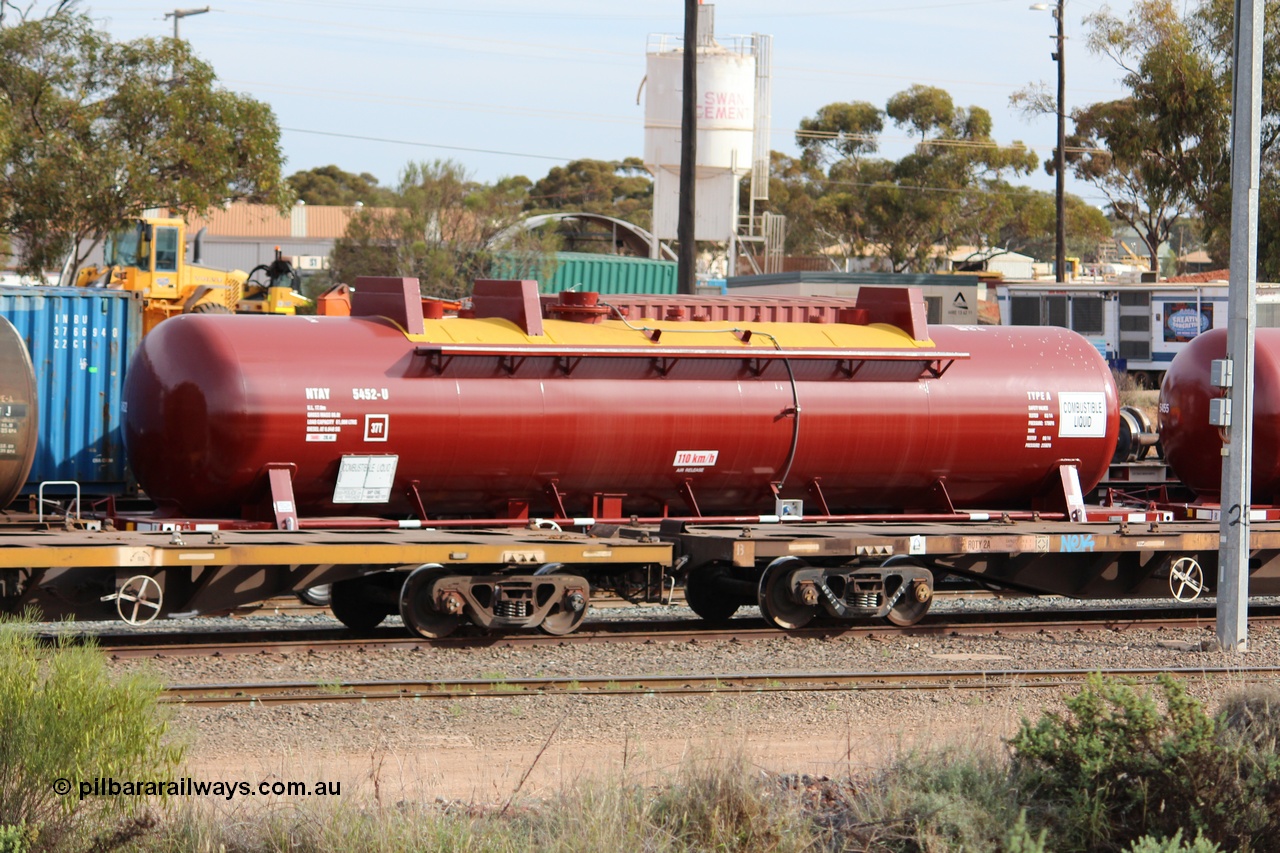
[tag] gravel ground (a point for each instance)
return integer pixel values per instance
(483, 749)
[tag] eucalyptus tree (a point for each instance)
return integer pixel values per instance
(931, 198)
(441, 227)
(622, 189)
(1160, 152)
(330, 185)
(94, 131)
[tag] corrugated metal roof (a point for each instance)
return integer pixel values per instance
(323, 222)
(226, 254)
(242, 220)
(327, 222)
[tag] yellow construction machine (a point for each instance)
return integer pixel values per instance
(149, 255)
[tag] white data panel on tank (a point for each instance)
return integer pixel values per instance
(365, 479)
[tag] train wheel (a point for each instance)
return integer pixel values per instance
(352, 605)
(777, 606)
(704, 596)
(567, 614)
(913, 601)
(418, 607)
(317, 596)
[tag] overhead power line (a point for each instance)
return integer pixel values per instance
(941, 142)
(417, 144)
(426, 144)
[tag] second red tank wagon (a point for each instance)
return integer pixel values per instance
(508, 415)
(1193, 444)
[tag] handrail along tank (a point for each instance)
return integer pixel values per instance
(508, 413)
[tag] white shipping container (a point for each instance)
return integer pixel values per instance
(1137, 328)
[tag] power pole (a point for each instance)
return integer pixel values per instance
(1060, 156)
(1059, 153)
(688, 256)
(179, 14)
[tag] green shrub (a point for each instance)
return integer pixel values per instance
(1021, 840)
(938, 799)
(65, 718)
(16, 838)
(1147, 844)
(1120, 765)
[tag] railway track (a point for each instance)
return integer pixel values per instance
(271, 641)
(648, 685)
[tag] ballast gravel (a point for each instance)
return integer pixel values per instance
(490, 749)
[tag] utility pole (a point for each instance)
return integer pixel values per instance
(688, 256)
(1060, 156)
(179, 14)
(1060, 153)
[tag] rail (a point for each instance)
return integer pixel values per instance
(976, 623)
(289, 693)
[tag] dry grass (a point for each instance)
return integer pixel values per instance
(967, 795)
(717, 803)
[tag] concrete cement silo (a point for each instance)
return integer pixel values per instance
(732, 109)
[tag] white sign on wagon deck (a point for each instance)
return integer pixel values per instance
(365, 479)
(1082, 414)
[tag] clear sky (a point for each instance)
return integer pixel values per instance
(511, 87)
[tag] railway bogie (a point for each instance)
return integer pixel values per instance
(791, 591)
(435, 601)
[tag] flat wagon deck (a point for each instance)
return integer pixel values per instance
(523, 578)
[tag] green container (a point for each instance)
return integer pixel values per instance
(587, 271)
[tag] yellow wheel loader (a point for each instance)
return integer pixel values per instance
(149, 256)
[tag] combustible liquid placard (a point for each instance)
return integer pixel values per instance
(1082, 414)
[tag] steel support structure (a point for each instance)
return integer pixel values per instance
(1233, 560)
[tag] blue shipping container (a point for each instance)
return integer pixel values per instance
(81, 341)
